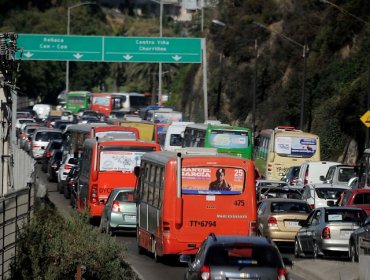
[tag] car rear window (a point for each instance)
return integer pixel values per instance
(345, 215)
(125, 197)
(73, 161)
(362, 198)
(329, 193)
(243, 255)
(290, 207)
(47, 135)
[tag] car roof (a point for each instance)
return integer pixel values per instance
(230, 239)
(285, 200)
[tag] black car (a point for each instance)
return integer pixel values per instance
(70, 188)
(54, 164)
(54, 144)
(229, 257)
(359, 241)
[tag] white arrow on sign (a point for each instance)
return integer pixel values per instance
(28, 54)
(127, 57)
(78, 55)
(177, 57)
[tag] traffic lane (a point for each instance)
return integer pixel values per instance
(145, 264)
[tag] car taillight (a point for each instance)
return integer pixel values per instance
(305, 177)
(48, 154)
(115, 206)
(205, 272)
(253, 228)
(326, 233)
(272, 222)
(282, 274)
(67, 167)
(94, 194)
(312, 206)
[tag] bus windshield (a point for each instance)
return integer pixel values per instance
(229, 139)
(212, 180)
(138, 101)
(101, 100)
(122, 158)
(288, 146)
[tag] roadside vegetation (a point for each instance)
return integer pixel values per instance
(53, 247)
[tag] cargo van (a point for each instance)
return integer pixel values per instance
(42, 110)
(175, 135)
(310, 172)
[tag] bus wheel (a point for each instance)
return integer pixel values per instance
(154, 250)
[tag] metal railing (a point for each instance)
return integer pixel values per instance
(16, 210)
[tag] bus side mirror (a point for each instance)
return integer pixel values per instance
(94, 175)
(137, 171)
(272, 156)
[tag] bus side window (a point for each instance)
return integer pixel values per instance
(145, 183)
(151, 185)
(157, 186)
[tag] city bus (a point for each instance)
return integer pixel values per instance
(214, 193)
(107, 164)
(278, 149)
(76, 134)
(126, 102)
(232, 140)
(77, 100)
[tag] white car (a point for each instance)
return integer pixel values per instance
(322, 195)
(68, 162)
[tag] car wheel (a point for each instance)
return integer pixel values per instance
(352, 252)
(297, 250)
(101, 227)
(315, 250)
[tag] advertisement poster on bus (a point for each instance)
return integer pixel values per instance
(295, 146)
(124, 161)
(212, 180)
(231, 140)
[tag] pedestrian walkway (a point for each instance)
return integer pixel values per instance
(317, 269)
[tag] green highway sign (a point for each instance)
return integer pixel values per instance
(59, 47)
(109, 49)
(149, 49)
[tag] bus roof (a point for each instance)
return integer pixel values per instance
(78, 92)
(162, 157)
(119, 142)
(288, 132)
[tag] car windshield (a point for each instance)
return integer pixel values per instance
(290, 207)
(345, 215)
(329, 193)
(244, 254)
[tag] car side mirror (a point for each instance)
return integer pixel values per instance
(367, 221)
(322, 178)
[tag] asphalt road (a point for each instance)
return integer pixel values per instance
(144, 265)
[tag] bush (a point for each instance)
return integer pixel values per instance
(51, 247)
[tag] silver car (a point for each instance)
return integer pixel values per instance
(236, 257)
(119, 212)
(327, 229)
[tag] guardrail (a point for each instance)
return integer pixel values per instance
(16, 209)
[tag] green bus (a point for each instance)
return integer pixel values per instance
(77, 100)
(231, 140)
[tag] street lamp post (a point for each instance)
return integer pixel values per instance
(305, 53)
(68, 32)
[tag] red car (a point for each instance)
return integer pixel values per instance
(359, 198)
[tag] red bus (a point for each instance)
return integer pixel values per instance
(76, 134)
(175, 213)
(105, 165)
(128, 102)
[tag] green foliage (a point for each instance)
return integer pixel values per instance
(51, 247)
